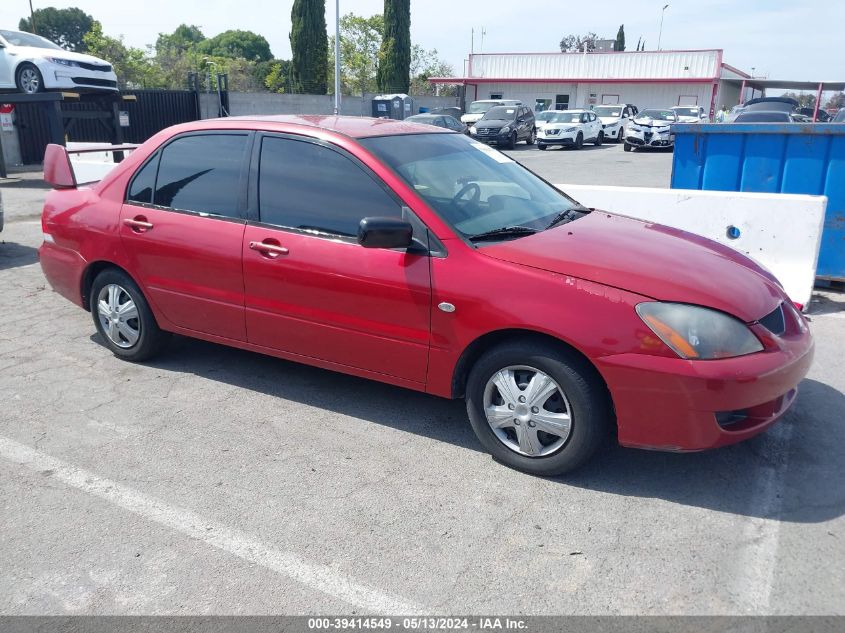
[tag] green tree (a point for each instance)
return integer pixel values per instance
(237, 45)
(395, 57)
(134, 67)
(576, 43)
(65, 27)
(278, 77)
(309, 44)
(425, 64)
(360, 41)
(619, 44)
(836, 102)
(184, 38)
(804, 100)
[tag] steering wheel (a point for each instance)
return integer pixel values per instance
(461, 203)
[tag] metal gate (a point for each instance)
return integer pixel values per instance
(150, 112)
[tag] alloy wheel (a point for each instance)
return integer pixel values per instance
(527, 411)
(30, 81)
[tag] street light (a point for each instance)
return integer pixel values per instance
(660, 35)
(337, 57)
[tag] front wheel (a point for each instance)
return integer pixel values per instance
(628, 147)
(599, 139)
(28, 79)
(579, 141)
(541, 146)
(536, 408)
(123, 317)
(512, 141)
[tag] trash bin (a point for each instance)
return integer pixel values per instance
(771, 158)
(398, 106)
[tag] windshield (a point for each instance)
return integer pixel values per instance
(657, 115)
(840, 116)
(500, 113)
(548, 115)
(686, 111)
(567, 117)
(479, 107)
(472, 186)
(17, 38)
(607, 111)
(763, 117)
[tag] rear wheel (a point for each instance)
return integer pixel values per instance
(541, 146)
(536, 408)
(628, 147)
(28, 79)
(579, 141)
(532, 137)
(123, 317)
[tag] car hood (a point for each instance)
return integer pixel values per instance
(652, 123)
(35, 52)
(650, 260)
(682, 118)
(497, 123)
(609, 120)
(471, 117)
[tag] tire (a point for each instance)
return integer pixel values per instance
(541, 146)
(579, 141)
(628, 147)
(599, 139)
(150, 338)
(576, 389)
(532, 138)
(28, 79)
(620, 135)
(512, 141)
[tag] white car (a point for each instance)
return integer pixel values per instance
(31, 64)
(651, 128)
(691, 114)
(615, 118)
(478, 109)
(541, 118)
(571, 128)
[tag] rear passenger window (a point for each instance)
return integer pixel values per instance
(202, 174)
(307, 186)
(143, 183)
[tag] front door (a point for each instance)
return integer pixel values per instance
(311, 289)
(182, 227)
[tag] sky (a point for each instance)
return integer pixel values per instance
(795, 39)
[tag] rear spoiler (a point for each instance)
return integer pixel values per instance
(59, 171)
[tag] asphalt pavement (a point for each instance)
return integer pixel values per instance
(217, 481)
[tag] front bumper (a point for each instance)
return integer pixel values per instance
(567, 139)
(63, 77)
(650, 139)
(680, 405)
(493, 138)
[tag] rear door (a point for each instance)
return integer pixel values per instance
(182, 227)
(311, 289)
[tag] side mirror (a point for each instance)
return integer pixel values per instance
(385, 233)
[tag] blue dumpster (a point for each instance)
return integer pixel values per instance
(771, 158)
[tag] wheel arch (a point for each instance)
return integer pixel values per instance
(90, 274)
(488, 341)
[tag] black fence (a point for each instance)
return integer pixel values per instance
(150, 112)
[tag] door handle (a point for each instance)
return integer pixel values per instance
(138, 224)
(271, 250)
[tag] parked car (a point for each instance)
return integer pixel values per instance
(506, 126)
(691, 114)
(571, 128)
(421, 258)
(477, 109)
(541, 118)
(614, 119)
(821, 116)
(452, 111)
(31, 64)
(766, 116)
(439, 120)
(651, 128)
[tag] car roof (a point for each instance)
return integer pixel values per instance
(353, 126)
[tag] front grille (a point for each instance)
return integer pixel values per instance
(487, 131)
(103, 68)
(87, 81)
(774, 321)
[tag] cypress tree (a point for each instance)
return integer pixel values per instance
(394, 67)
(309, 44)
(620, 39)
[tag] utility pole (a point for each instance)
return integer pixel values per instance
(337, 57)
(32, 19)
(660, 34)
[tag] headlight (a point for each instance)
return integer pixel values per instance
(635, 128)
(570, 129)
(472, 130)
(505, 129)
(64, 62)
(694, 332)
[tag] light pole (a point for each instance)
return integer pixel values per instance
(337, 57)
(660, 34)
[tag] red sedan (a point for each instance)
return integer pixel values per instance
(421, 258)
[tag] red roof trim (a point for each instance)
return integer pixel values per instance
(680, 50)
(736, 70)
(569, 80)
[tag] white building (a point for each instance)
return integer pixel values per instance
(648, 79)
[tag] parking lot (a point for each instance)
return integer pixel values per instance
(218, 481)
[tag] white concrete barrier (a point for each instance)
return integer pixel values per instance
(780, 231)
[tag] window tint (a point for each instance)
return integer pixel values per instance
(202, 173)
(308, 186)
(143, 183)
